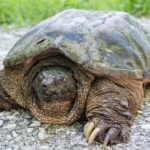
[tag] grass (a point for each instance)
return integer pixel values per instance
(136, 7)
(28, 12)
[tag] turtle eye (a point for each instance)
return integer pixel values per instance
(58, 80)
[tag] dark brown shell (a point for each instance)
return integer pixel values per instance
(102, 42)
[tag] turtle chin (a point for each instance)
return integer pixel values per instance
(55, 88)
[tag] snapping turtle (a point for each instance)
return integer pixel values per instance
(77, 63)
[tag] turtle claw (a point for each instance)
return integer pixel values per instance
(110, 135)
(104, 132)
(107, 138)
(93, 135)
(88, 129)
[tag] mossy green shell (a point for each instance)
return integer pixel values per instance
(102, 42)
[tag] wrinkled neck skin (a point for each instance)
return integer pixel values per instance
(17, 81)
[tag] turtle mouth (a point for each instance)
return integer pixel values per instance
(58, 106)
(65, 108)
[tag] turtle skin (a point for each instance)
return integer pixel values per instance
(77, 63)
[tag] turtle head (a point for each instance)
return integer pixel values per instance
(55, 88)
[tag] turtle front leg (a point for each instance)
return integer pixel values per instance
(6, 102)
(110, 108)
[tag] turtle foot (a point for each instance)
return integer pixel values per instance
(106, 132)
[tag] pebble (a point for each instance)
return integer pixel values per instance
(140, 112)
(147, 119)
(10, 126)
(11, 117)
(18, 139)
(35, 124)
(42, 135)
(9, 137)
(24, 122)
(42, 129)
(9, 148)
(44, 147)
(32, 147)
(27, 116)
(1, 122)
(146, 126)
(29, 130)
(14, 134)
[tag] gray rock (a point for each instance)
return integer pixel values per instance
(14, 134)
(9, 148)
(146, 126)
(44, 147)
(9, 137)
(29, 130)
(10, 126)
(35, 124)
(11, 117)
(32, 147)
(28, 116)
(1, 122)
(147, 119)
(42, 135)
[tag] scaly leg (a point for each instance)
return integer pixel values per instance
(110, 108)
(6, 102)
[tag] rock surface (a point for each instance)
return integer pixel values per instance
(20, 131)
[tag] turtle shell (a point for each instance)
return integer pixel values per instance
(105, 43)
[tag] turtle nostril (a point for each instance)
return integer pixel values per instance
(44, 86)
(44, 83)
